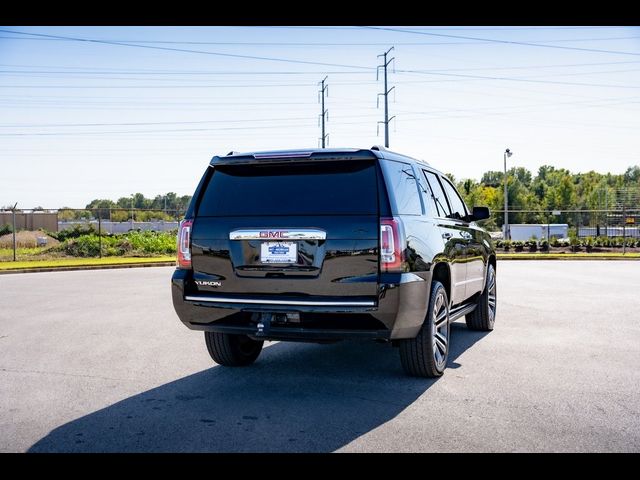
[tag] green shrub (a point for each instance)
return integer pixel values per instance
(5, 229)
(531, 244)
(131, 243)
(84, 246)
(152, 242)
(75, 232)
(518, 245)
(507, 245)
(588, 243)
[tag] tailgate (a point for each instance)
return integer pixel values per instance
(300, 230)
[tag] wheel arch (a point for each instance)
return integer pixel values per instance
(442, 274)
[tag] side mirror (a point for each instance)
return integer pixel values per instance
(479, 213)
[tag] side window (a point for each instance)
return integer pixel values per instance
(437, 193)
(402, 188)
(427, 197)
(458, 207)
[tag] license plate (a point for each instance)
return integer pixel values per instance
(278, 252)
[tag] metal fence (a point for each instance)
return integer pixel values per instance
(33, 228)
(622, 222)
(583, 223)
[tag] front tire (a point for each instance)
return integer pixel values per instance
(426, 355)
(232, 350)
(484, 316)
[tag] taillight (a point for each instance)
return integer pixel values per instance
(391, 245)
(184, 244)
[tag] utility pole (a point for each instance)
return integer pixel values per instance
(385, 64)
(13, 211)
(624, 228)
(324, 114)
(606, 207)
(507, 233)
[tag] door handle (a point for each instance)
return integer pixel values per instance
(447, 235)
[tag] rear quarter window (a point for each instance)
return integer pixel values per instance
(402, 188)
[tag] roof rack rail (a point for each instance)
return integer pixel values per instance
(232, 152)
(380, 148)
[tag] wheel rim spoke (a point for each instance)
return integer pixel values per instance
(441, 342)
(440, 330)
(492, 297)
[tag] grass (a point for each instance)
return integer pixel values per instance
(83, 262)
(569, 256)
(8, 252)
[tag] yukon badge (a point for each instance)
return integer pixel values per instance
(207, 283)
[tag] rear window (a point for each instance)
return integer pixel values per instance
(321, 188)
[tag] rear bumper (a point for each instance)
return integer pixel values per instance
(397, 311)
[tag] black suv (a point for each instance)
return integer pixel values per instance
(322, 245)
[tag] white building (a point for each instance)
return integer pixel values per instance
(522, 231)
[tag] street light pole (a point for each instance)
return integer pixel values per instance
(507, 233)
(131, 211)
(13, 231)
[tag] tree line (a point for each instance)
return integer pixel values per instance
(167, 207)
(531, 197)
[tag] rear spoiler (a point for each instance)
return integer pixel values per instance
(292, 156)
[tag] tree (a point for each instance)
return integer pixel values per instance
(102, 207)
(632, 175)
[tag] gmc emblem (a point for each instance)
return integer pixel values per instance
(273, 234)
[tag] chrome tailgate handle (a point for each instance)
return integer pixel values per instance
(278, 234)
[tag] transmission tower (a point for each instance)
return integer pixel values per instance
(385, 65)
(324, 113)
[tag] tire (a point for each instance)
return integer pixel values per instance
(232, 350)
(484, 316)
(426, 355)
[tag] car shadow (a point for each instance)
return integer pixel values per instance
(296, 398)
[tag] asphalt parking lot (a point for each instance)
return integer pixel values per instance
(98, 361)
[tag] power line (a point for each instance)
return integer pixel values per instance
(517, 79)
(508, 42)
(259, 127)
(244, 120)
(183, 50)
(315, 44)
(356, 83)
(306, 27)
(115, 71)
(535, 67)
(102, 132)
(149, 72)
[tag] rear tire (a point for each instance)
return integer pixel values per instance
(426, 355)
(232, 350)
(484, 316)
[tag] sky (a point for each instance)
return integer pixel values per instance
(103, 112)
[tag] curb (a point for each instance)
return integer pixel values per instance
(88, 267)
